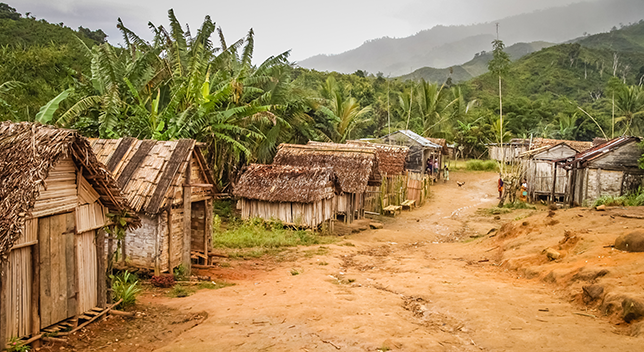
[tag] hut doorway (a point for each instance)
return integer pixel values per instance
(58, 297)
(198, 235)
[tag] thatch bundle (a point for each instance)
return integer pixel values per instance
(28, 152)
(287, 184)
(440, 141)
(354, 166)
(391, 158)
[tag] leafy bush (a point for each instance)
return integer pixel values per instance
(163, 280)
(17, 345)
(125, 287)
(181, 273)
(211, 285)
(481, 165)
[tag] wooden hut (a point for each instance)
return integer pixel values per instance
(541, 166)
(420, 149)
(54, 197)
(609, 169)
(355, 167)
(169, 185)
(299, 196)
(512, 151)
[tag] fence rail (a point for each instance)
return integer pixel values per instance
(396, 189)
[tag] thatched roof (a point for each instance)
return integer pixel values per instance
(287, 184)
(149, 171)
(354, 166)
(391, 158)
(28, 152)
(442, 142)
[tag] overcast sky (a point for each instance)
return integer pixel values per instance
(306, 27)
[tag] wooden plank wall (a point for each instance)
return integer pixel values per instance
(59, 194)
(176, 240)
(90, 217)
(58, 268)
(18, 293)
(309, 215)
(87, 271)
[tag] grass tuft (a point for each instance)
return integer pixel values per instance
(481, 165)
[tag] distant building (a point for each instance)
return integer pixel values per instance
(541, 166)
(609, 169)
(420, 149)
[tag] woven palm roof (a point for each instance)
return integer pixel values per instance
(284, 183)
(354, 166)
(28, 152)
(391, 158)
(149, 170)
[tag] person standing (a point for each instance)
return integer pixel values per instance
(446, 174)
(500, 187)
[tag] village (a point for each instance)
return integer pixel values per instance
(417, 253)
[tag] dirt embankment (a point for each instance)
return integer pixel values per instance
(573, 250)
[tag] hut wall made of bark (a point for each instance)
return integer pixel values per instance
(309, 215)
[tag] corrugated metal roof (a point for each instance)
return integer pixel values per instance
(599, 150)
(417, 138)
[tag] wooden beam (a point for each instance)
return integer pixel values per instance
(101, 285)
(203, 185)
(187, 220)
(35, 293)
(207, 227)
(23, 245)
(3, 309)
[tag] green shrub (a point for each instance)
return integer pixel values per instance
(17, 345)
(634, 199)
(181, 273)
(211, 285)
(125, 287)
(481, 165)
(518, 205)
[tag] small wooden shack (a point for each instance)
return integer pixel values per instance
(299, 196)
(354, 166)
(54, 197)
(511, 151)
(541, 166)
(391, 158)
(609, 169)
(171, 188)
(420, 149)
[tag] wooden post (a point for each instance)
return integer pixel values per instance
(187, 219)
(3, 309)
(101, 285)
(123, 251)
(554, 183)
(169, 213)
(108, 271)
(157, 259)
(207, 227)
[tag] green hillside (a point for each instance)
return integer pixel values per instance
(42, 56)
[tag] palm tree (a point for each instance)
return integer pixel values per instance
(434, 106)
(343, 113)
(629, 101)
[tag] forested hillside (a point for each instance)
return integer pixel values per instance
(203, 86)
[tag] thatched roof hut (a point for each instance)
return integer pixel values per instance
(284, 183)
(28, 153)
(170, 186)
(354, 166)
(295, 195)
(54, 200)
(391, 158)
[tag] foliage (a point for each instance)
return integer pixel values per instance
(481, 165)
(15, 344)
(256, 234)
(518, 205)
(125, 287)
(634, 199)
(181, 273)
(163, 280)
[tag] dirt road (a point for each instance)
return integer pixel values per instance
(407, 287)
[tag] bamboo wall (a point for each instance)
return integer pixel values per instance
(87, 271)
(396, 189)
(309, 215)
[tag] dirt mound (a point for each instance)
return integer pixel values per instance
(632, 242)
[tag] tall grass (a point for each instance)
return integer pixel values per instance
(635, 199)
(261, 236)
(481, 165)
(126, 287)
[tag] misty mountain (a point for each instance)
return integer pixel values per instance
(475, 67)
(445, 46)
